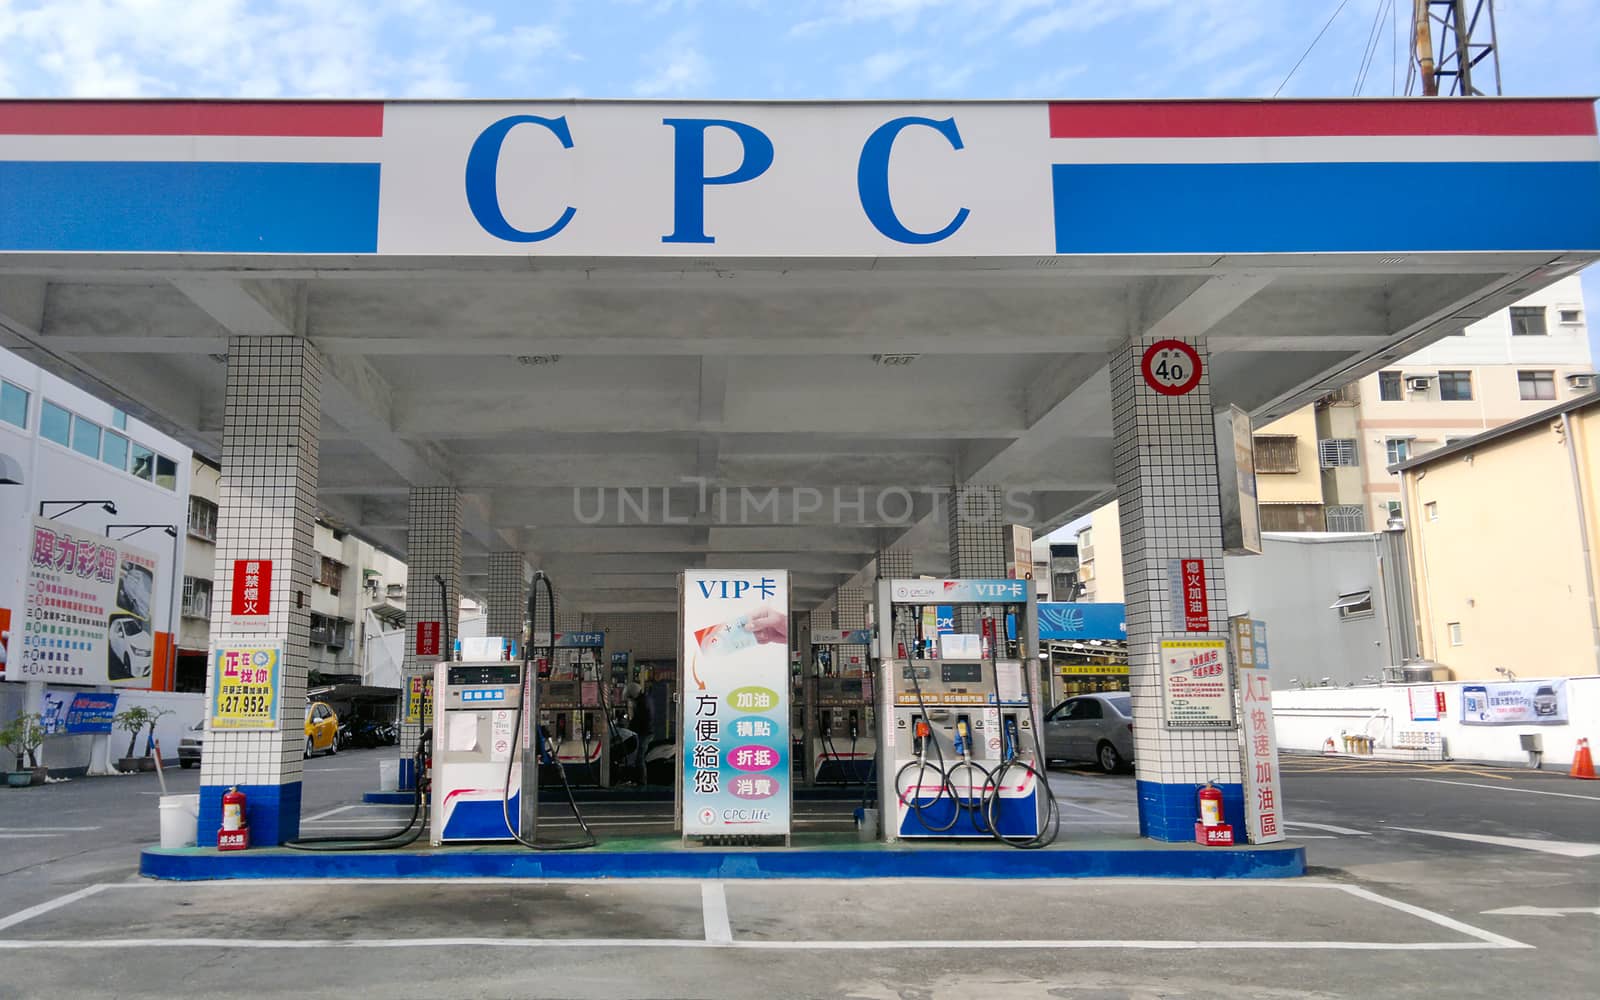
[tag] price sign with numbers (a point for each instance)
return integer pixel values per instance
(1171, 367)
(245, 683)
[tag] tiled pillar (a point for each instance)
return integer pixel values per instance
(1167, 493)
(268, 493)
(896, 564)
(508, 595)
(433, 549)
(851, 607)
(979, 541)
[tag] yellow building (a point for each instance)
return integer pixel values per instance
(1504, 538)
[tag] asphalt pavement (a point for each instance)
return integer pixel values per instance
(1428, 880)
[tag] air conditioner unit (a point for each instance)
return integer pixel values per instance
(1418, 383)
(1581, 380)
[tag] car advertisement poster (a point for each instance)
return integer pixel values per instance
(1514, 703)
(1196, 691)
(87, 610)
(735, 778)
(246, 679)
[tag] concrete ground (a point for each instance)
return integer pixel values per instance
(1430, 880)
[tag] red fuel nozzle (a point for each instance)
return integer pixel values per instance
(923, 730)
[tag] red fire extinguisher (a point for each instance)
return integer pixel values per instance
(1210, 805)
(235, 832)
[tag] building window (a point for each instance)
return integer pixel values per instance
(1536, 385)
(114, 451)
(1346, 517)
(1454, 628)
(1334, 453)
(1357, 604)
(119, 420)
(86, 437)
(1569, 317)
(1431, 509)
(331, 575)
(196, 597)
(1292, 517)
(166, 473)
(55, 424)
(1397, 449)
(1277, 453)
(144, 463)
(1455, 386)
(1389, 386)
(14, 404)
(1393, 510)
(1528, 321)
(203, 518)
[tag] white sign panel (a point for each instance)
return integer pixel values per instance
(1517, 703)
(735, 669)
(1195, 688)
(1263, 792)
(87, 610)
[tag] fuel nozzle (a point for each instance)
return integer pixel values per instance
(923, 733)
(1011, 736)
(855, 725)
(963, 737)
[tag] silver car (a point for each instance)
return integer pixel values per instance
(1097, 727)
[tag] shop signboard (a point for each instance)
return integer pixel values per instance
(1514, 703)
(736, 772)
(1196, 692)
(1082, 622)
(87, 614)
(246, 684)
(959, 591)
(91, 712)
(1263, 792)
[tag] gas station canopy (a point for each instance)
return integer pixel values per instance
(641, 337)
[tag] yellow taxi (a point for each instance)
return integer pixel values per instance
(322, 729)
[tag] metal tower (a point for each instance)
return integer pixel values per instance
(1463, 43)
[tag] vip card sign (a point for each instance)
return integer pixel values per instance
(88, 605)
(735, 779)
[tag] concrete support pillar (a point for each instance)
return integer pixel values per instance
(850, 605)
(268, 495)
(1167, 493)
(433, 552)
(895, 564)
(508, 595)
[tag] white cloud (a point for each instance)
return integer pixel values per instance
(680, 69)
(880, 66)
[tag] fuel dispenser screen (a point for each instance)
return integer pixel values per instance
(492, 673)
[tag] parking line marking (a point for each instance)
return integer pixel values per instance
(1329, 827)
(54, 904)
(330, 812)
(714, 911)
(47, 829)
(1564, 848)
(1503, 788)
(1433, 917)
(960, 945)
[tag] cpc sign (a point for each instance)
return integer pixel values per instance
(1170, 367)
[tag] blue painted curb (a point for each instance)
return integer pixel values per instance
(389, 798)
(196, 864)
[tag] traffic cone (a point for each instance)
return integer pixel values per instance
(1582, 762)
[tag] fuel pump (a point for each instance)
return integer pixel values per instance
(576, 712)
(960, 715)
(842, 747)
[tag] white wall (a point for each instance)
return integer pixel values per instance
(70, 752)
(1305, 718)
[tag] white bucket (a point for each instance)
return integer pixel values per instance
(867, 824)
(388, 775)
(180, 815)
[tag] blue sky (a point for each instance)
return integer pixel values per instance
(756, 49)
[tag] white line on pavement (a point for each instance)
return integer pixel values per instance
(1508, 788)
(714, 912)
(1564, 848)
(1328, 827)
(961, 945)
(330, 812)
(28, 836)
(1541, 911)
(54, 904)
(1436, 918)
(47, 829)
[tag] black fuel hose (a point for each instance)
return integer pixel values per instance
(921, 764)
(402, 837)
(543, 740)
(1010, 763)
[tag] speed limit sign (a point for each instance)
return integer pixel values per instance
(1171, 367)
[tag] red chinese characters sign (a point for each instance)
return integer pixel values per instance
(1196, 609)
(251, 599)
(427, 638)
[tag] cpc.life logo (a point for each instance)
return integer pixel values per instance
(708, 817)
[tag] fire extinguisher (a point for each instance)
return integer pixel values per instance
(233, 809)
(1210, 805)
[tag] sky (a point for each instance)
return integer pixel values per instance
(938, 49)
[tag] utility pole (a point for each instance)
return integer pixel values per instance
(1465, 37)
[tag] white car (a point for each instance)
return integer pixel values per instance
(129, 646)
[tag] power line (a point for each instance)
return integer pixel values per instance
(1313, 45)
(1369, 54)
